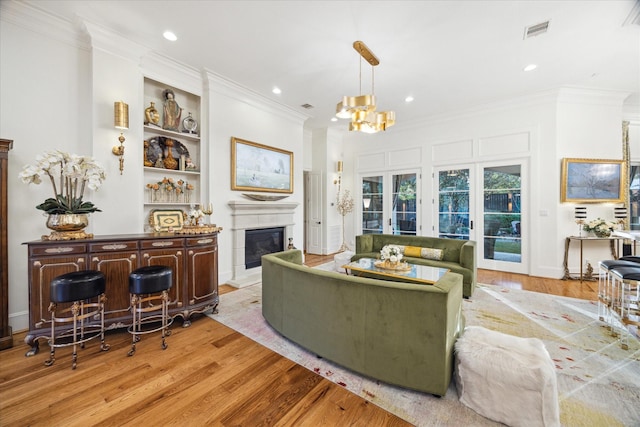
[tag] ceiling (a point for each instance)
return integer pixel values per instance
(448, 55)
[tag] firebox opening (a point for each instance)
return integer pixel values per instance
(261, 242)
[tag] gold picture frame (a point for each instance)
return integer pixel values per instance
(258, 167)
(166, 219)
(593, 181)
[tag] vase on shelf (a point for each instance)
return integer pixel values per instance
(169, 161)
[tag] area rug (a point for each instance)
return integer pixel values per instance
(598, 382)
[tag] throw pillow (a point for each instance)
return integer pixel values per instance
(431, 253)
(412, 251)
(426, 253)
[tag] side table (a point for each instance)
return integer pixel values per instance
(588, 276)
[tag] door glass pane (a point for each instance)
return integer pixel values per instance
(453, 204)
(502, 217)
(372, 220)
(404, 213)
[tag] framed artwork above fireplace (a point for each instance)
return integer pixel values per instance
(258, 167)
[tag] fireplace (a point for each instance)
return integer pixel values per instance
(251, 215)
(261, 242)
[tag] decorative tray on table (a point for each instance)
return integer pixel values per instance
(398, 266)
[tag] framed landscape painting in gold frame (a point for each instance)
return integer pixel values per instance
(257, 167)
(593, 181)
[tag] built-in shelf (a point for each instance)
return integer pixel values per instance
(170, 171)
(171, 133)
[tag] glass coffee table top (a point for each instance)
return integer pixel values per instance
(412, 273)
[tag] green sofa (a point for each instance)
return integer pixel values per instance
(399, 333)
(459, 256)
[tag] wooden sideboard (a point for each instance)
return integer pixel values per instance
(193, 258)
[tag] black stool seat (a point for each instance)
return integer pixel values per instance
(632, 258)
(626, 273)
(77, 286)
(150, 279)
(613, 263)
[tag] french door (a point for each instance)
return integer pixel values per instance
(390, 203)
(484, 202)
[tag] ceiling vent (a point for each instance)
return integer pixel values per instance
(307, 106)
(536, 30)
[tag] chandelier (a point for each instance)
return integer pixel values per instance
(362, 109)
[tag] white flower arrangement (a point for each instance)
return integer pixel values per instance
(195, 215)
(72, 173)
(600, 227)
(391, 252)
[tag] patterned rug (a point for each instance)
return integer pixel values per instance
(598, 382)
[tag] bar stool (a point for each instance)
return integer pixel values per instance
(625, 300)
(148, 286)
(77, 288)
(604, 286)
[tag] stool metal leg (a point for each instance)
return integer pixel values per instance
(52, 343)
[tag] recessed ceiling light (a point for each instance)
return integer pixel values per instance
(276, 90)
(334, 119)
(408, 99)
(170, 36)
(530, 67)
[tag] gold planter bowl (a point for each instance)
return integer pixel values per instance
(67, 227)
(67, 222)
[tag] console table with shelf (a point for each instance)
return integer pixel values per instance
(193, 259)
(613, 240)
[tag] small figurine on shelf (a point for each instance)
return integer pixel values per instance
(172, 111)
(195, 216)
(151, 115)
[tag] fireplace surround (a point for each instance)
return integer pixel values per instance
(255, 215)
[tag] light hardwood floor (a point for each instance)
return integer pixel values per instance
(209, 375)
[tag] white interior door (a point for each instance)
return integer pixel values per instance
(313, 200)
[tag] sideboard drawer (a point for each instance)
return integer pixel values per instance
(57, 249)
(204, 240)
(161, 243)
(113, 246)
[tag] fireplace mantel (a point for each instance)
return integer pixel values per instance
(252, 215)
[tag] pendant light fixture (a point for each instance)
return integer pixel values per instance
(362, 109)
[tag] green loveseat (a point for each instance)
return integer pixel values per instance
(399, 333)
(459, 256)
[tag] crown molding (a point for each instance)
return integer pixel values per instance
(32, 18)
(587, 96)
(110, 42)
(217, 83)
(167, 70)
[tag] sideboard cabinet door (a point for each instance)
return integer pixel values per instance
(171, 256)
(202, 273)
(115, 260)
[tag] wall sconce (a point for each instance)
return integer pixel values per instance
(338, 180)
(366, 202)
(120, 121)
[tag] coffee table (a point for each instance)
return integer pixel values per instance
(423, 274)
